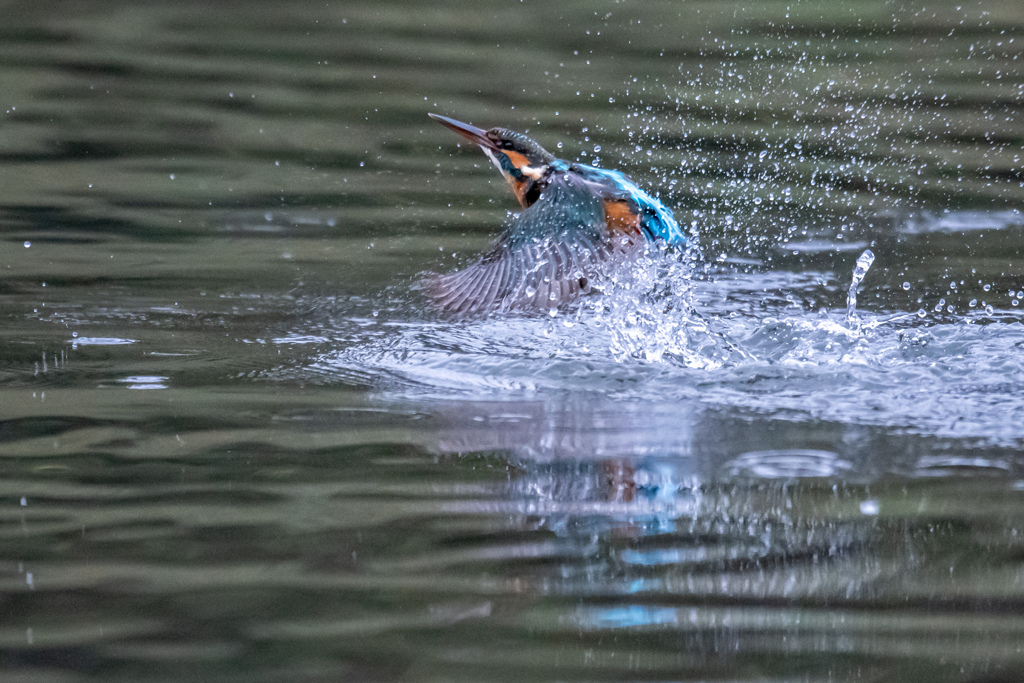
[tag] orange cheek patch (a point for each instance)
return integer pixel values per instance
(518, 186)
(517, 159)
(620, 219)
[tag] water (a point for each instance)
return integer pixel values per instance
(237, 445)
(864, 262)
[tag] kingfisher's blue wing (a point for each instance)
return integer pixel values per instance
(547, 255)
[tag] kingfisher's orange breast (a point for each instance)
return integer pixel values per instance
(621, 219)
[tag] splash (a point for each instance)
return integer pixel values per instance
(658, 333)
(864, 262)
(645, 313)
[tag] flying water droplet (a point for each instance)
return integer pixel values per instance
(864, 262)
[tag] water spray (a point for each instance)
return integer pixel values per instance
(864, 262)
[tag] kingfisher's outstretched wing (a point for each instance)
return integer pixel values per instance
(547, 255)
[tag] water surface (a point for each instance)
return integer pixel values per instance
(238, 445)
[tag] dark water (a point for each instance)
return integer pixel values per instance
(235, 444)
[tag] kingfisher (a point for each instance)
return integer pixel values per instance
(577, 223)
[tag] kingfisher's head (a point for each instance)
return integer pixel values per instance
(523, 162)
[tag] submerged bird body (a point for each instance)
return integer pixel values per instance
(578, 222)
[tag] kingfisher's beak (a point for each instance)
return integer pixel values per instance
(477, 136)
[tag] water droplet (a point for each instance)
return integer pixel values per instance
(530, 292)
(973, 303)
(27, 244)
(1015, 302)
(989, 310)
(921, 313)
(869, 507)
(906, 285)
(864, 262)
